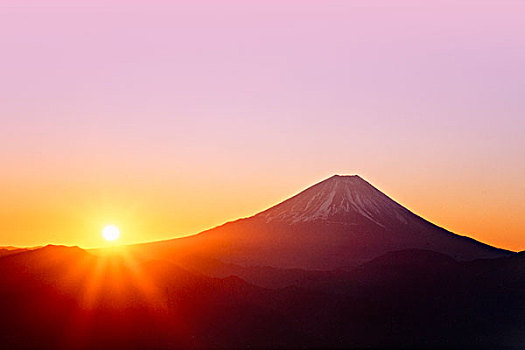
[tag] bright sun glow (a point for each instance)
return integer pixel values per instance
(110, 233)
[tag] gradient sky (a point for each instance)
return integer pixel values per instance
(169, 117)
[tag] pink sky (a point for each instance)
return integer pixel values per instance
(191, 113)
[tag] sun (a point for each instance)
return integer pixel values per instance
(110, 233)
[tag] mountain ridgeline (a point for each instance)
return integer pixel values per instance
(340, 222)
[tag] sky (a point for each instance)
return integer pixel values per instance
(166, 118)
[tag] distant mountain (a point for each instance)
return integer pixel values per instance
(59, 297)
(340, 265)
(66, 298)
(8, 250)
(338, 223)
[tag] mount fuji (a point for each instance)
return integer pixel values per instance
(338, 266)
(340, 222)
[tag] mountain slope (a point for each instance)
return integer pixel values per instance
(339, 199)
(60, 297)
(337, 223)
(66, 298)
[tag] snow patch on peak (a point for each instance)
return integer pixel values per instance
(345, 199)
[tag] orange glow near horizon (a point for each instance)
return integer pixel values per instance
(491, 216)
(172, 117)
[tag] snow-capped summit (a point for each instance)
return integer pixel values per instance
(339, 222)
(341, 199)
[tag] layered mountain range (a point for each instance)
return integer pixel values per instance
(339, 265)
